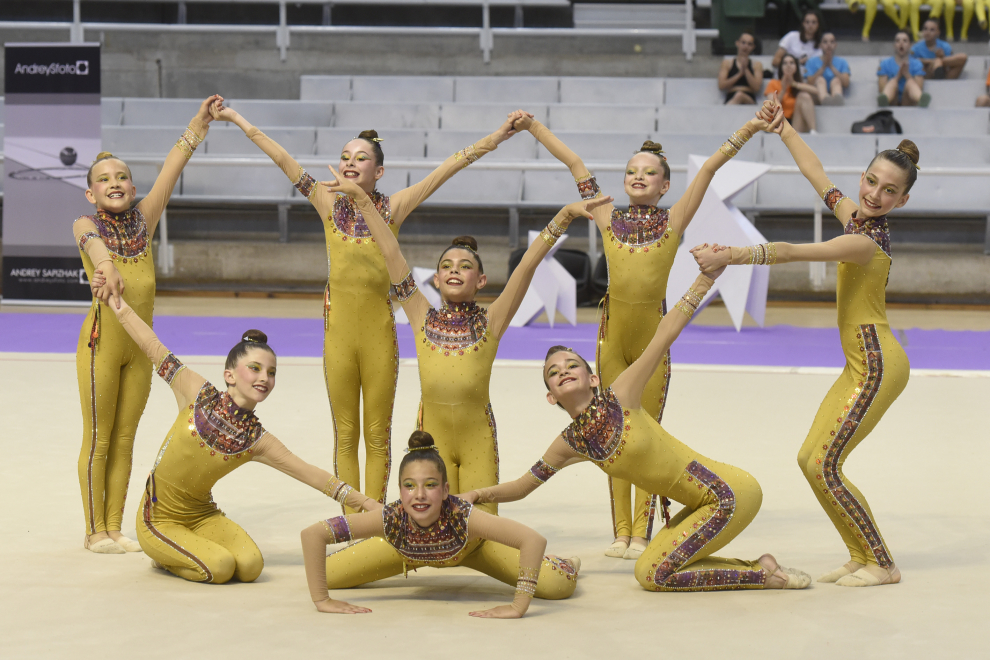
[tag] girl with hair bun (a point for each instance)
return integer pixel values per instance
(613, 430)
(179, 526)
(456, 344)
(428, 526)
(360, 349)
(877, 368)
(640, 244)
(114, 376)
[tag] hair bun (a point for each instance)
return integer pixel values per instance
(420, 440)
(102, 155)
(466, 241)
(371, 135)
(654, 148)
(255, 336)
(910, 149)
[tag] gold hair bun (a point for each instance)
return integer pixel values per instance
(652, 147)
(102, 155)
(255, 337)
(910, 149)
(421, 440)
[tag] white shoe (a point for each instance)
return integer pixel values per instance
(130, 545)
(104, 547)
(617, 550)
(634, 551)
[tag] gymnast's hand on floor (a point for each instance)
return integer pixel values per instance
(500, 612)
(343, 186)
(331, 606)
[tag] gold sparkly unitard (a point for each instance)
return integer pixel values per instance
(114, 376)
(640, 244)
(616, 433)
(360, 349)
(178, 524)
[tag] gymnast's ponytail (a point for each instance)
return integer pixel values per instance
(423, 448)
(905, 157)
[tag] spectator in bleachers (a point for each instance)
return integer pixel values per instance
(741, 78)
(936, 55)
(828, 74)
(802, 45)
(983, 100)
(950, 14)
(901, 78)
(897, 10)
(796, 96)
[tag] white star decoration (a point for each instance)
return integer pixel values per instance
(552, 289)
(743, 288)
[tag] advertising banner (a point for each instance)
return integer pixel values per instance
(51, 135)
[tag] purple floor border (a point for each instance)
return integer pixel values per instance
(779, 345)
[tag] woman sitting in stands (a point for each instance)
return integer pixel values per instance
(741, 78)
(797, 96)
(803, 44)
(179, 525)
(640, 244)
(429, 527)
(612, 429)
(114, 375)
(877, 368)
(360, 350)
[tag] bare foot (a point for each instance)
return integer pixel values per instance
(331, 606)
(842, 571)
(871, 576)
(130, 545)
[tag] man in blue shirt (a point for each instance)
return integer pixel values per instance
(936, 55)
(830, 74)
(902, 78)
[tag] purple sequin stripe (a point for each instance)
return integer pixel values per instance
(169, 367)
(339, 529)
(857, 515)
(669, 577)
(543, 471)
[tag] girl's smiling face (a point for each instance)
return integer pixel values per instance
(645, 182)
(881, 189)
(111, 187)
(252, 379)
(422, 492)
(459, 278)
(357, 163)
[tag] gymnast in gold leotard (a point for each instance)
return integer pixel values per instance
(640, 244)
(360, 349)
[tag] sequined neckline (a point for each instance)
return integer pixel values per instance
(639, 227)
(456, 328)
(876, 229)
(222, 425)
(440, 542)
(597, 431)
(347, 219)
(124, 234)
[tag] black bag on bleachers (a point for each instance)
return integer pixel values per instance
(576, 262)
(881, 121)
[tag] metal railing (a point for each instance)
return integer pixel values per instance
(486, 33)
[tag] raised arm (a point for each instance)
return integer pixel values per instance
(413, 301)
(185, 382)
(587, 185)
(629, 385)
(531, 546)
(557, 457)
(153, 205)
(682, 212)
(89, 241)
(315, 540)
(406, 200)
(271, 452)
(501, 311)
(307, 186)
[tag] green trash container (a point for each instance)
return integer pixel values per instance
(731, 18)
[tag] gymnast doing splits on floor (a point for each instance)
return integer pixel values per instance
(640, 244)
(877, 368)
(179, 525)
(114, 375)
(429, 527)
(360, 349)
(613, 430)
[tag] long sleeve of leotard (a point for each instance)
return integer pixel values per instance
(531, 546)
(271, 452)
(341, 529)
(307, 186)
(156, 200)
(406, 200)
(89, 241)
(185, 382)
(813, 170)
(557, 457)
